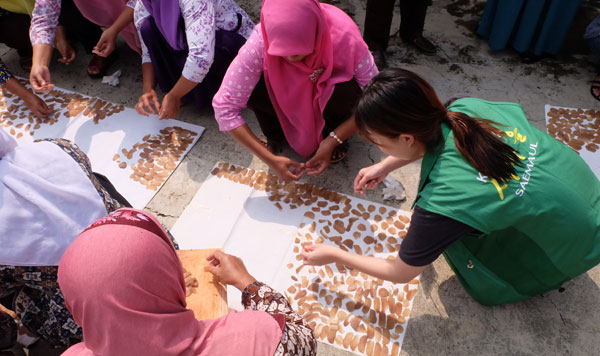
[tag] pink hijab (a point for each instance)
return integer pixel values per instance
(123, 283)
(104, 13)
(300, 90)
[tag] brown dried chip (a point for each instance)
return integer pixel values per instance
(362, 344)
(300, 294)
(338, 225)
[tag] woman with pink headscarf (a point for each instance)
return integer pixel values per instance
(130, 300)
(301, 71)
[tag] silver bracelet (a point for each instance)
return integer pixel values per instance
(332, 134)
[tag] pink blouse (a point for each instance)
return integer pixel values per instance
(44, 20)
(245, 72)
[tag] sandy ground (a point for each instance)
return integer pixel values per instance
(445, 320)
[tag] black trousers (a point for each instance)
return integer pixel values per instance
(378, 21)
(78, 27)
(14, 29)
(14, 32)
(338, 109)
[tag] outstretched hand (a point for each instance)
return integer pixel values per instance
(106, 44)
(320, 161)
(39, 78)
(145, 102)
(229, 270)
(170, 107)
(286, 168)
(37, 106)
(369, 177)
(319, 254)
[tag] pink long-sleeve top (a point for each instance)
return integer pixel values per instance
(245, 72)
(44, 20)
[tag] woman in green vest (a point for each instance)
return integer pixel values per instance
(515, 212)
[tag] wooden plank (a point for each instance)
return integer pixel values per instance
(210, 300)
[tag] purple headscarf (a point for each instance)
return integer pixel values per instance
(167, 16)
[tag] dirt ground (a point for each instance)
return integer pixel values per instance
(445, 320)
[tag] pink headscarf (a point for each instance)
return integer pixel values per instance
(123, 283)
(104, 13)
(300, 90)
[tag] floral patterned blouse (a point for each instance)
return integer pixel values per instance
(4, 73)
(45, 19)
(245, 72)
(201, 18)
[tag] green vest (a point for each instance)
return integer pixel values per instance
(539, 230)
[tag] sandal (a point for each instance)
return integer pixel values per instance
(339, 153)
(101, 64)
(595, 88)
(273, 146)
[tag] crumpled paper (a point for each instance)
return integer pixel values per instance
(393, 189)
(112, 79)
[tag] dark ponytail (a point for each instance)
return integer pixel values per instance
(398, 102)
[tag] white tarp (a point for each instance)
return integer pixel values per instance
(136, 153)
(264, 221)
(578, 129)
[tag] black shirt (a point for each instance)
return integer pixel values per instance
(428, 236)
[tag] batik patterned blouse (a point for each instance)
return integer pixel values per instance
(4, 73)
(201, 19)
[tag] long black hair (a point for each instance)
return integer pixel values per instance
(398, 101)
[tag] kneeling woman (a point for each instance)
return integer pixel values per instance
(187, 46)
(515, 212)
(48, 195)
(301, 72)
(143, 311)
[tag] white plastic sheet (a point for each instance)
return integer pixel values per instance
(264, 221)
(578, 129)
(136, 153)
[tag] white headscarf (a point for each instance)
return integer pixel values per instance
(46, 200)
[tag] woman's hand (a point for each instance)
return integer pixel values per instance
(229, 270)
(170, 107)
(369, 177)
(39, 78)
(320, 161)
(107, 43)
(319, 254)
(287, 169)
(145, 102)
(63, 46)
(37, 106)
